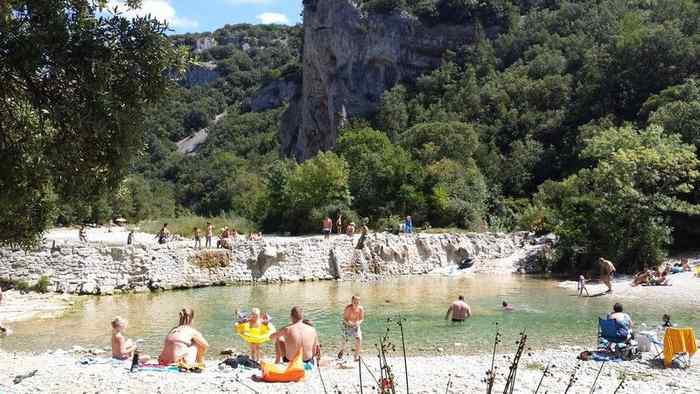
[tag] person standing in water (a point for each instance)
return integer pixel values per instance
(353, 316)
(607, 270)
(459, 310)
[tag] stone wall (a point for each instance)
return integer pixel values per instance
(98, 269)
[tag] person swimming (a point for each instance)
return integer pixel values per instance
(506, 306)
(184, 342)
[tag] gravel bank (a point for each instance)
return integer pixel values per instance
(16, 306)
(60, 373)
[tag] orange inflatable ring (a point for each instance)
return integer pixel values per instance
(292, 372)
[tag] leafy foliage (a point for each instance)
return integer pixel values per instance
(74, 89)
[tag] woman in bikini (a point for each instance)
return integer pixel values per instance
(184, 342)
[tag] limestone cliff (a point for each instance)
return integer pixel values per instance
(349, 60)
(101, 269)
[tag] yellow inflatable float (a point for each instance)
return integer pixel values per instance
(254, 335)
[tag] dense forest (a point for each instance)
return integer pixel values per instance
(580, 117)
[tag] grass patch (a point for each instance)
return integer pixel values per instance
(211, 259)
(41, 286)
(184, 225)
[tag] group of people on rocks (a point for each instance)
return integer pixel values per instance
(327, 226)
(184, 344)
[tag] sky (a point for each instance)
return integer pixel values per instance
(190, 16)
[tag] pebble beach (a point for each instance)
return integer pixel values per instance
(61, 372)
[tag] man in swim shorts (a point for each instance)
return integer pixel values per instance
(607, 270)
(353, 316)
(327, 227)
(459, 309)
(289, 340)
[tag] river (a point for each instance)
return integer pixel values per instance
(551, 315)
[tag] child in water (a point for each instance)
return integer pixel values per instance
(257, 323)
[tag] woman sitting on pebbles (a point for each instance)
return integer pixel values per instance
(184, 343)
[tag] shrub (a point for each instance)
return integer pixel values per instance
(42, 285)
(211, 259)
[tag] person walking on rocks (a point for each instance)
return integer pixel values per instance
(327, 227)
(210, 234)
(459, 310)
(363, 235)
(353, 315)
(197, 238)
(339, 223)
(408, 225)
(82, 234)
(607, 270)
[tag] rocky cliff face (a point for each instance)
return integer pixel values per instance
(99, 269)
(349, 60)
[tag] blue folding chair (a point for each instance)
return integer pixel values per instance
(611, 331)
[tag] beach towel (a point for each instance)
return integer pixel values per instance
(678, 340)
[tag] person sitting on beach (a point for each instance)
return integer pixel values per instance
(184, 343)
(506, 306)
(223, 241)
(163, 234)
(666, 321)
(289, 340)
(459, 310)
(353, 316)
(622, 318)
(683, 266)
(123, 348)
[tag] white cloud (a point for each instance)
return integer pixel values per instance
(159, 9)
(273, 17)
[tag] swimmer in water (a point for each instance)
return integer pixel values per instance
(507, 307)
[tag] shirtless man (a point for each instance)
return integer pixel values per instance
(327, 227)
(353, 316)
(459, 309)
(607, 269)
(296, 336)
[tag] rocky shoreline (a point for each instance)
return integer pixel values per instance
(108, 268)
(61, 372)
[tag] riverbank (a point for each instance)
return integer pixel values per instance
(106, 265)
(61, 372)
(17, 307)
(684, 288)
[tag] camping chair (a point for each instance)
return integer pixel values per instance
(679, 344)
(608, 332)
(613, 338)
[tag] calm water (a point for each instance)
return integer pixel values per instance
(551, 315)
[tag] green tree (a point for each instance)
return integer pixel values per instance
(620, 208)
(74, 91)
(381, 174)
